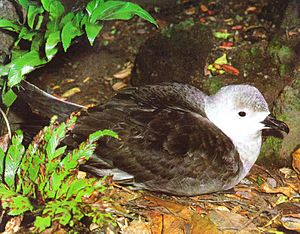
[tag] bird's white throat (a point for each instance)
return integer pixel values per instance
(248, 152)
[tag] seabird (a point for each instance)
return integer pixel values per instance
(173, 138)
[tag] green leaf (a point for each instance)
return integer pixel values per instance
(56, 180)
(19, 205)
(22, 66)
(4, 69)
(14, 76)
(13, 159)
(39, 22)
(66, 19)
(6, 192)
(42, 223)
(54, 141)
(9, 25)
(84, 20)
(64, 215)
(92, 30)
(69, 32)
(51, 44)
(2, 156)
(70, 161)
(221, 60)
(56, 10)
(77, 21)
(52, 26)
(96, 135)
(24, 4)
(92, 5)
(9, 98)
(33, 170)
(259, 180)
(26, 35)
(222, 35)
(17, 53)
(36, 42)
(75, 187)
(113, 10)
(33, 11)
(46, 4)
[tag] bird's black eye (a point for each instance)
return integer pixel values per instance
(242, 113)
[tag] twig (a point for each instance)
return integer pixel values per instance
(251, 219)
(6, 122)
(123, 188)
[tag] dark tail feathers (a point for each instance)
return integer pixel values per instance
(44, 104)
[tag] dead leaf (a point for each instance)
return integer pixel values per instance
(4, 142)
(203, 225)
(118, 86)
(108, 78)
(56, 87)
(286, 171)
(137, 226)
(71, 92)
(225, 220)
(203, 8)
(291, 223)
(230, 69)
(237, 27)
(209, 12)
(107, 36)
(251, 10)
(87, 79)
(190, 11)
(296, 160)
(202, 20)
(67, 81)
(222, 208)
(13, 225)
(123, 73)
(229, 21)
(290, 215)
(177, 219)
(288, 191)
(81, 175)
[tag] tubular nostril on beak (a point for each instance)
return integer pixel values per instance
(275, 124)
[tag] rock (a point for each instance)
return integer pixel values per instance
(286, 108)
(274, 11)
(179, 54)
(7, 11)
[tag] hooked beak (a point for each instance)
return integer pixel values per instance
(275, 124)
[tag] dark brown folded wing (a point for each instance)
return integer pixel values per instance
(170, 150)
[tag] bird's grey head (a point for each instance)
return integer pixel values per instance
(241, 112)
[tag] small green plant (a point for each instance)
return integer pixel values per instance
(46, 25)
(43, 178)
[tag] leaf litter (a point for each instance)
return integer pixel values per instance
(248, 208)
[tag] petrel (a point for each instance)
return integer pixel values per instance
(173, 138)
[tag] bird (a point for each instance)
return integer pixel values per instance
(173, 138)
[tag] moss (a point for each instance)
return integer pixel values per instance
(256, 51)
(284, 70)
(282, 55)
(273, 49)
(286, 55)
(212, 85)
(251, 59)
(183, 25)
(269, 153)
